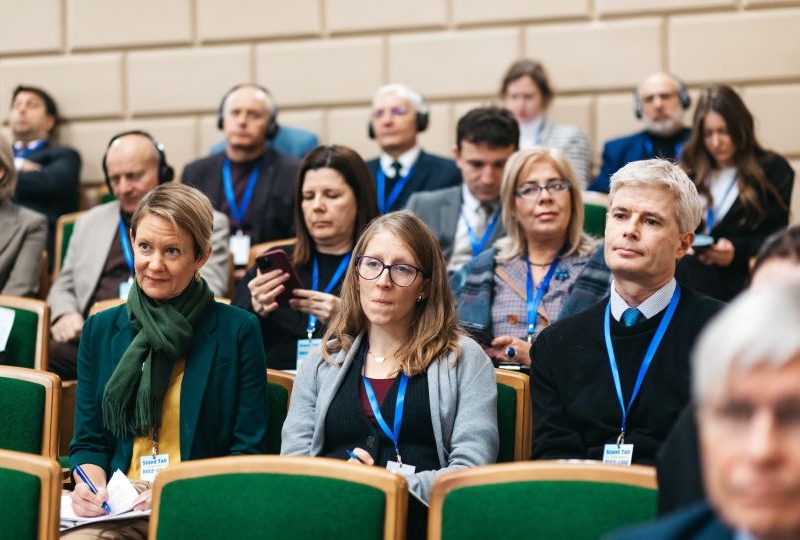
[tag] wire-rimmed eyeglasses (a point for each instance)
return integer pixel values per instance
(533, 190)
(402, 275)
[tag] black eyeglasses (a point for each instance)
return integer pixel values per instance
(402, 275)
(533, 191)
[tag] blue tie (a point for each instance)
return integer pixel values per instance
(631, 316)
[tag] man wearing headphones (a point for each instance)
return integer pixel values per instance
(99, 262)
(250, 182)
(659, 102)
(403, 168)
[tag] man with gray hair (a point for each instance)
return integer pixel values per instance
(399, 114)
(609, 383)
(746, 369)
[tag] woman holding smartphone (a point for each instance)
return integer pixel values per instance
(334, 201)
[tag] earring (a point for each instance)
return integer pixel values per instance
(419, 298)
(197, 275)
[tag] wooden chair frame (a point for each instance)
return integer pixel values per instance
(393, 485)
(40, 307)
(283, 378)
(523, 422)
(52, 402)
(635, 475)
(49, 474)
(257, 249)
(61, 222)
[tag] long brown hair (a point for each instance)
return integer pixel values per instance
(434, 331)
(698, 161)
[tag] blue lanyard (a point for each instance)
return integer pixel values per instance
(650, 153)
(394, 436)
(127, 250)
(648, 357)
(238, 212)
(26, 150)
(478, 245)
(714, 210)
(337, 276)
(385, 205)
(531, 302)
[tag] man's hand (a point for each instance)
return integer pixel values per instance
(67, 327)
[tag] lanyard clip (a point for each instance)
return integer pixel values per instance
(399, 459)
(621, 438)
(155, 443)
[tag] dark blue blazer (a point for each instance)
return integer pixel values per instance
(430, 173)
(619, 152)
(698, 522)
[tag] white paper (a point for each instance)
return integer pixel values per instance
(6, 323)
(122, 496)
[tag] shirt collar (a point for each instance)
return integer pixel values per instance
(406, 159)
(652, 306)
(19, 145)
(470, 202)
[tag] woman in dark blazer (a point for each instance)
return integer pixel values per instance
(747, 190)
(172, 374)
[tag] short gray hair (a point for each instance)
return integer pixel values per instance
(414, 98)
(663, 173)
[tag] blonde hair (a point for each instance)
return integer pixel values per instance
(8, 182)
(434, 331)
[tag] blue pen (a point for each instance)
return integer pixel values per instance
(354, 456)
(82, 476)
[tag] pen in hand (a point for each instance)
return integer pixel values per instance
(354, 456)
(83, 476)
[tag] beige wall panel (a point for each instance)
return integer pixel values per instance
(321, 72)
(450, 64)
(574, 111)
(777, 113)
(208, 134)
(614, 119)
(460, 108)
(105, 23)
(440, 136)
(245, 19)
(36, 26)
(736, 47)
(761, 3)
(83, 86)
(598, 55)
(480, 11)
(340, 15)
(627, 7)
(184, 80)
(313, 121)
(348, 126)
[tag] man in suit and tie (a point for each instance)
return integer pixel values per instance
(48, 174)
(466, 218)
(659, 102)
(399, 114)
(99, 261)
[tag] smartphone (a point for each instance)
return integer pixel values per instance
(277, 259)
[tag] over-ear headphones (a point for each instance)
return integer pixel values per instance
(415, 99)
(165, 171)
(272, 125)
(683, 96)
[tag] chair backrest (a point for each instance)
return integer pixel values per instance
(29, 399)
(257, 249)
(277, 497)
(64, 227)
(513, 415)
(595, 207)
(103, 305)
(44, 276)
(279, 391)
(561, 500)
(29, 342)
(30, 491)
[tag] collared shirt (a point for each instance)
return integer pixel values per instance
(530, 133)
(406, 159)
(719, 182)
(655, 303)
(19, 146)
(462, 245)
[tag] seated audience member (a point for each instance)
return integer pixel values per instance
(679, 481)
(23, 235)
(250, 182)
(466, 218)
(48, 174)
(334, 202)
(99, 264)
(746, 190)
(399, 114)
(609, 383)
(659, 102)
(527, 93)
(394, 352)
(518, 287)
(173, 374)
(746, 370)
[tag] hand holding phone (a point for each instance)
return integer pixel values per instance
(277, 259)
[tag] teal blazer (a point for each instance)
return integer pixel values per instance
(223, 402)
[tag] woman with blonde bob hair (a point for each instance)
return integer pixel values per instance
(520, 285)
(394, 356)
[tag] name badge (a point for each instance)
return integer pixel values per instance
(401, 468)
(239, 245)
(618, 454)
(125, 288)
(304, 347)
(151, 466)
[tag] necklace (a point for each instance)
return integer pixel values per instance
(378, 359)
(540, 265)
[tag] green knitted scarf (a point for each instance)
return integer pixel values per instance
(134, 394)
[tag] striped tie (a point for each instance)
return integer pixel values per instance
(630, 316)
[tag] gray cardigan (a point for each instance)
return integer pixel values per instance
(463, 409)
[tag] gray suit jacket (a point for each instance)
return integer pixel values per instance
(23, 238)
(441, 210)
(88, 249)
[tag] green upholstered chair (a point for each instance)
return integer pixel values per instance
(64, 227)
(29, 343)
(540, 499)
(277, 497)
(29, 399)
(279, 390)
(595, 207)
(30, 496)
(513, 415)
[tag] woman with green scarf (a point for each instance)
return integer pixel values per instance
(172, 375)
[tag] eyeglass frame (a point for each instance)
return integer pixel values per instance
(389, 266)
(559, 186)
